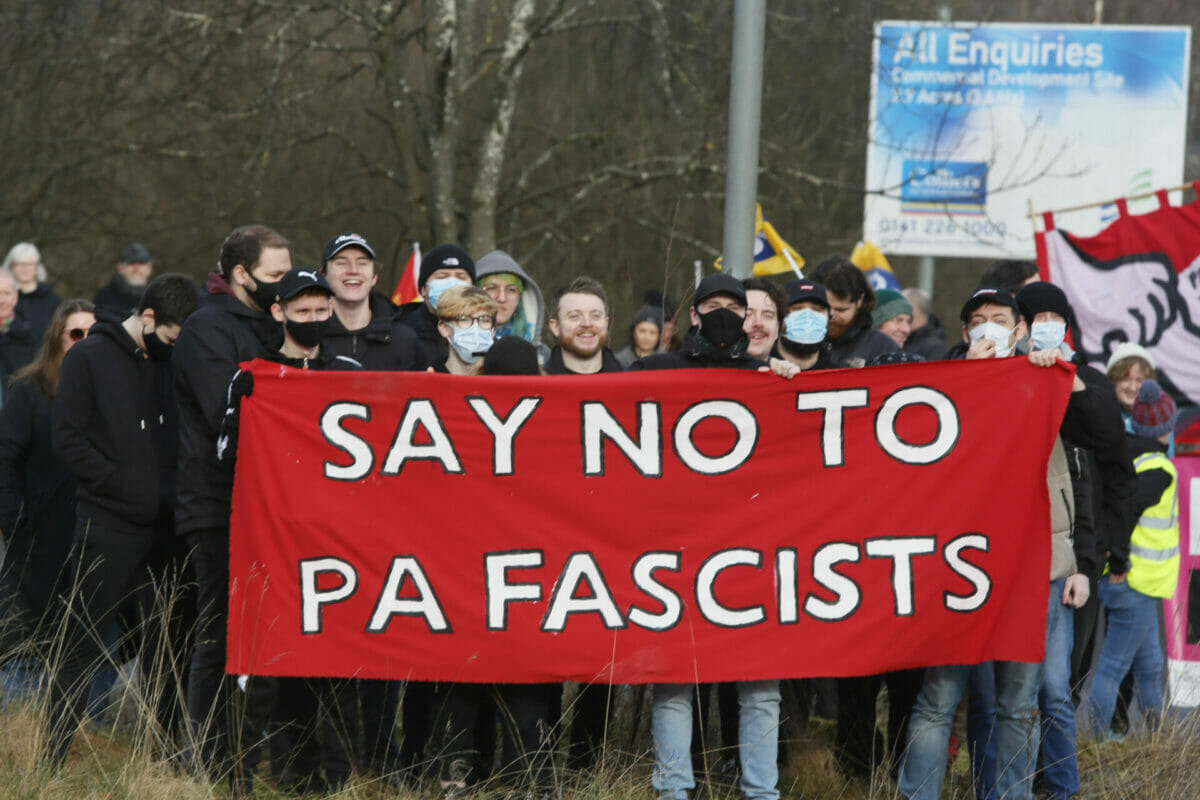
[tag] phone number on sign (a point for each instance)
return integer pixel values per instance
(941, 226)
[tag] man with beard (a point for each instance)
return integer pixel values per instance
(121, 294)
(765, 302)
(853, 339)
(579, 319)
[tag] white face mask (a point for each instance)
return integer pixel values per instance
(997, 333)
(1047, 335)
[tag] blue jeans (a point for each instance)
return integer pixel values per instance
(1015, 740)
(981, 728)
(758, 739)
(1130, 640)
(1060, 769)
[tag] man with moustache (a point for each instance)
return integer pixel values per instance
(765, 303)
(853, 340)
(579, 319)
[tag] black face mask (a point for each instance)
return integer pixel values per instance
(264, 293)
(800, 350)
(156, 348)
(307, 334)
(722, 328)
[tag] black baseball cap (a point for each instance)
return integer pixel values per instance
(719, 284)
(999, 297)
(136, 254)
(343, 240)
(799, 290)
(299, 280)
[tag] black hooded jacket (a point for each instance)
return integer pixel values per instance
(116, 428)
(18, 347)
(223, 333)
(385, 344)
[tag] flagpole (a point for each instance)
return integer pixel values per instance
(1141, 196)
(792, 263)
(745, 111)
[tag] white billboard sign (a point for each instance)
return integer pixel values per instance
(969, 123)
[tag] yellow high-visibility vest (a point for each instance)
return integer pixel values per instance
(1154, 544)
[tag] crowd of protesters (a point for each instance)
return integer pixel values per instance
(118, 434)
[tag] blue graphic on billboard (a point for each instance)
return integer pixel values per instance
(944, 187)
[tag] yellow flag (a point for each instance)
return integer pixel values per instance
(772, 255)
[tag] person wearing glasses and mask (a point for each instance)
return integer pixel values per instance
(466, 321)
(115, 427)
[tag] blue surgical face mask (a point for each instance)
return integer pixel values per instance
(997, 333)
(440, 285)
(805, 326)
(471, 343)
(1047, 335)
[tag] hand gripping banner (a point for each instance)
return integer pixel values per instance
(686, 525)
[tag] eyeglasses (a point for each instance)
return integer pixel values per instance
(77, 333)
(484, 321)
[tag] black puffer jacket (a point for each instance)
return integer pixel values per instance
(385, 344)
(222, 334)
(117, 429)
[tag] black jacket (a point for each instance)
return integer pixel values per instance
(1093, 422)
(18, 347)
(37, 500)
(118, 297)
(695, 352)
(423, 323)
(385, 344)
(928, 341)
(37, 307)
(117, 429)
(223, 333)
(1151, 483)
(1083, 528)
(555, 366)
(861, 343)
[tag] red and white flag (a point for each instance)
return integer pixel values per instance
(406, 289)
(1138, 280)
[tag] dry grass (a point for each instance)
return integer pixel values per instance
(110, 763)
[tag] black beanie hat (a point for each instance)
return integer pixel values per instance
(1040, 296)
(510, 355)
(444, 256)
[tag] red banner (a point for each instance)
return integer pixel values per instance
(666, 526)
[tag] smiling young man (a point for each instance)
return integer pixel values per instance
(579, 319)
(765, 303)
(365, 326)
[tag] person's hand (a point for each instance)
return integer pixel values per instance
(984, 348)
(1076, 590)
(782, 368)
(1114, 577)
(241, 386)
(1045, 358)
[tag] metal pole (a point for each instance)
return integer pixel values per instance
(745, 110)
(925, 274)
